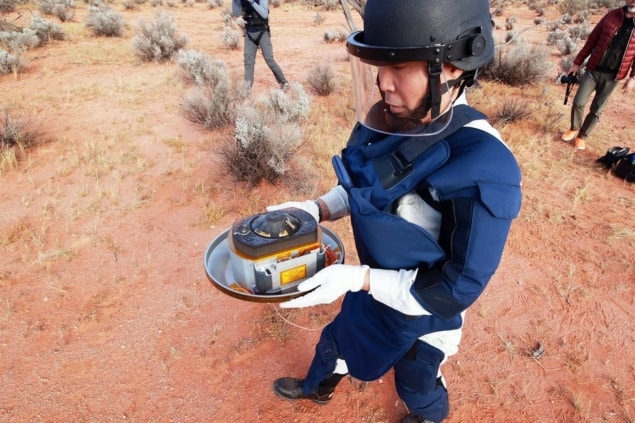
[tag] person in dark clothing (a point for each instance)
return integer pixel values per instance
(431, 191)
(255, 13)
(611, 52)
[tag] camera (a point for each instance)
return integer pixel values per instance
(570, 79)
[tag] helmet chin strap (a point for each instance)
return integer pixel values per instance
(432, 100)
(434, 93)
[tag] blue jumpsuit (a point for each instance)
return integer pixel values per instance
(473, 180)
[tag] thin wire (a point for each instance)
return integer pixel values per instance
(295, 324)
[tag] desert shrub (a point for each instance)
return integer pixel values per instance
(582, 17)
(228, 19)
(214, 3)
(322, 78)
(16, 136)
(518, 65)
(325, 4)
(104, 21)
(565, 63)
(510, 22)
(212, 108)
(9, 62)
(200, 68)
(64, 10)
(554, 25)
(19, 42)
(46, 6)
(230, 38)
(257, 152)
(511, 37)
(333, 35)
(571, 7)
(211, 102)
(267, 136)
(580, 31)
(513, 109)
(130, 5)
(293, 105)
(158, 40)
(555, 35)
(7, 6)
(46, 30)
(566, 46)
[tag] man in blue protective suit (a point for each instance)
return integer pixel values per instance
(431, 191)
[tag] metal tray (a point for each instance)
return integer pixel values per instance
(219, 270)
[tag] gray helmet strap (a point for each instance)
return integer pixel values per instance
(434, 75)
(465, 80)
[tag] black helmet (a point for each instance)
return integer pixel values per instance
(458, 32)
(437, 31)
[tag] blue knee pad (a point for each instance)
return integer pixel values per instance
(418, 385)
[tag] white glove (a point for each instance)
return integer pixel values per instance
(331, 282)
(308, 206)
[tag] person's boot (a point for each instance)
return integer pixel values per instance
(414, 418)
(290, 388)
(569, 135)
(579, 144)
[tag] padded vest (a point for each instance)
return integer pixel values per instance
(455, 163)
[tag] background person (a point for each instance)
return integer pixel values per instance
(431, 191)
(611, 52)
(255, 13)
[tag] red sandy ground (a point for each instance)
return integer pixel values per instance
(106, 313)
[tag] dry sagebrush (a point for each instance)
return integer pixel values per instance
(267, 135)
(158, 40)
(16, 136)
(104, 21)
(211, 102)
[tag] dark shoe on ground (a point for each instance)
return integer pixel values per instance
(290, 388)
(413, 418)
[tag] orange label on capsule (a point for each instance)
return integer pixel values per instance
(293, 275)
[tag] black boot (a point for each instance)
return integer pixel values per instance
(290, 388)
(413, 418)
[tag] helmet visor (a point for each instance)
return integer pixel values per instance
(373, 112)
